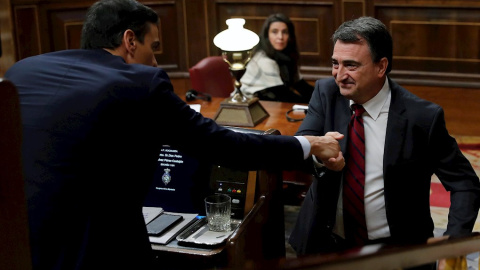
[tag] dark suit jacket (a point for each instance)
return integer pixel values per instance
(417, 145)
(93, 126)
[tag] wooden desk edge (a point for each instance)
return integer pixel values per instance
(276, 120)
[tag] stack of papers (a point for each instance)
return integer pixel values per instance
(196, 107)
(150, 213)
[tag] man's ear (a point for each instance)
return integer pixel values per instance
(382, 66)
(129, 41)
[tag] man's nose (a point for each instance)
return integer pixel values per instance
(339, 72)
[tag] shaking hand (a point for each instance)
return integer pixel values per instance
(327, 149)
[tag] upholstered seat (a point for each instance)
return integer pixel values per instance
(212, 76)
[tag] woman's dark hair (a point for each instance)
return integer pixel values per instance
(107, 20)
(373, 31)
(288, 57)
(264, 43)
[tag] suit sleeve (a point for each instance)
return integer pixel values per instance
(314, 123)
(201, 137)
(457, 175)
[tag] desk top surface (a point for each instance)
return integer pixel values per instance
(276, 110)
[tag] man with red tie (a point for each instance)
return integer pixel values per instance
(94, 120)
(394, 142)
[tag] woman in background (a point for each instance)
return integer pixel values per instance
(272, 73)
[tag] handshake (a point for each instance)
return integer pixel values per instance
(327, 150)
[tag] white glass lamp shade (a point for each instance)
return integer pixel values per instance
(236, 38)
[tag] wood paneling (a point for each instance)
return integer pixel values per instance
(172, 54)
(27, 31)
(60, 25)
(439, 44)
(436, 42)
(66, 28)
(197, 33)
(7, 57)
(352, 9)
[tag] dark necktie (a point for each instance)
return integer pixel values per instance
(354, 182)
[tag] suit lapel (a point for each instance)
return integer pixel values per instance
(396, 128)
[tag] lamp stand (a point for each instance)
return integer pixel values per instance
(245, 114)
(239, 110)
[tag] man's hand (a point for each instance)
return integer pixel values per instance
(335, 164)
(327, 149)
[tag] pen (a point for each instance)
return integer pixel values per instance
(193, 228)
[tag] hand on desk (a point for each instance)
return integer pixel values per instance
(327, 149)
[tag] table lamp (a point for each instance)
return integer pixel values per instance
(236, 44)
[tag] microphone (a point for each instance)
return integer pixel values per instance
(194, 94)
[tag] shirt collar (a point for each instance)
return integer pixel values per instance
(374, 106)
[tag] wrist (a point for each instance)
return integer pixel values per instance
(318, 166)
(316, 163)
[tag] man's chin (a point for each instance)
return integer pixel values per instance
(346, 92)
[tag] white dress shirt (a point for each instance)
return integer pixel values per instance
(375, 126)
(306, 147)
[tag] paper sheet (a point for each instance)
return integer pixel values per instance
(149, 213)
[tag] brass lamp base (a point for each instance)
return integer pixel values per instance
(243, 114)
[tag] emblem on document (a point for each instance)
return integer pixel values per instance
(166, 177)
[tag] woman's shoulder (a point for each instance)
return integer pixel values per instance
(261, 61)
(261, 57)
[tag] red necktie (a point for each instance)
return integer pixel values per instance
(354, 182)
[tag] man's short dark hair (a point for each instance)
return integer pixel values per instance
(107, 20)
(373, 31)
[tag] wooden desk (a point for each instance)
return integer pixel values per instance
(260, 236)
(276, 120)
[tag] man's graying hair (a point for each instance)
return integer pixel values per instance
(107, 20)
(373, 31)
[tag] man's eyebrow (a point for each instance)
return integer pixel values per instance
(348, 61)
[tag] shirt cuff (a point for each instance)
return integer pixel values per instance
(305, 146)
(319, 167)
(316, 163)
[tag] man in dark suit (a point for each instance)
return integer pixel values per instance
(93, 123)
(406, 141)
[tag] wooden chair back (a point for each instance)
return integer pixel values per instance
(15, 251)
